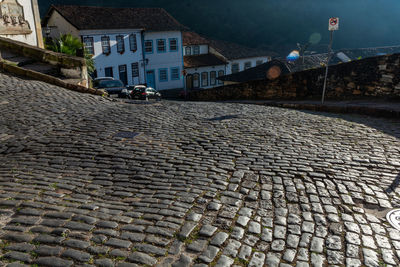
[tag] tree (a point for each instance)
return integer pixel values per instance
(70, 45)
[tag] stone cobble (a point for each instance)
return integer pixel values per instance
(200, 184)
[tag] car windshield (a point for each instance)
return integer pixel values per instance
(140, 89)
(110, 84)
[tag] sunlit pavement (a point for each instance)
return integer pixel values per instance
(86, 181)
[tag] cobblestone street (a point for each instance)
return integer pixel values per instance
(85, 181)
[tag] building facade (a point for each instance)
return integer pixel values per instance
(117, 53)
(134, 45)
(201, 67)
(205, 60)
(163, 54)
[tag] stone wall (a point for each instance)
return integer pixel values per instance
(365, 78)
(67, 66)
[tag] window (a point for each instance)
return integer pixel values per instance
(259, 62)
(213, 78)
(88, 43)
(196, 80)
(133, 42)
(196, 50)
(235, 68)
(120, 44)
(173, 45)
(148, 46)
(188, 51)
(105, 45)
(247, 65)
(108, 72)
(135, 69)
(175, 74)
(163, 75)
(220, 74)
(204, 79)
(161, 46)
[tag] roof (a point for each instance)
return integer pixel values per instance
(203, 60)
(359, 53)
(260, 72)
(100, 18)
(192, 38)
(236, 51)
(310, 62)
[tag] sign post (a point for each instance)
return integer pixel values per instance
(333, 26)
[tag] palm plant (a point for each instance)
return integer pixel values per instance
(70, 45)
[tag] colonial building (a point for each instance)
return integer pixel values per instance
(201, 67)
(240, 57)
(135, 45)
(205, 60)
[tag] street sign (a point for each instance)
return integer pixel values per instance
(334, 24)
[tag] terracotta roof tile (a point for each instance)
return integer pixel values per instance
(236, 51)
(192, 38)
(99, 18)
(203, 60)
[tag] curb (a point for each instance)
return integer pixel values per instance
(48, 79)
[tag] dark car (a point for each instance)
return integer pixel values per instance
(143, 93)
(113, 87)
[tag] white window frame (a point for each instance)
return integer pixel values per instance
(133, 42)
(120, 43)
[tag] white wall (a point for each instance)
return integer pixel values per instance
(167, 60)
(242, 62)
(203, 49)
(59, 26)
(31, 38)
(115, 59)
(207, 69)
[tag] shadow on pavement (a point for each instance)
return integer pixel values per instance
(394, 185)
(385, 125)
(222, 118)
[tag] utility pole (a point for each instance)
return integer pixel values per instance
(333, 26)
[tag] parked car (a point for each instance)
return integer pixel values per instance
(113, 87)
(102, 79)
(132, 88)
(143, 93)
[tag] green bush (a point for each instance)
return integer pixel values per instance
(70, 45)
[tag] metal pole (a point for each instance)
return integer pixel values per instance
(327, 68)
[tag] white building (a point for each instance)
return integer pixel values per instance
(163, 51)
(239, 57)
(201, 67)
(205, 60)
(135, 45)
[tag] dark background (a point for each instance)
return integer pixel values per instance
(277, 25)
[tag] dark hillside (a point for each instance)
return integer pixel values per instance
(277, 24)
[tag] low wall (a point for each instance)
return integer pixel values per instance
(67, 64)
(4, 66)
(370, 77)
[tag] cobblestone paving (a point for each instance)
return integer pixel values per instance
(201, 184)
